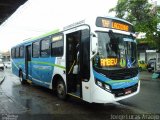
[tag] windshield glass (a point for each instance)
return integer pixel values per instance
(115, 51)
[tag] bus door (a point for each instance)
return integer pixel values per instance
(77, 61)
(28, 62)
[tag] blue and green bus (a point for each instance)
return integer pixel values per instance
(92, 59)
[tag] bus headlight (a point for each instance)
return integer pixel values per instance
(103, 85)
(99, 84)
(107, 87)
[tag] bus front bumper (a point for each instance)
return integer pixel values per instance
(102, 96)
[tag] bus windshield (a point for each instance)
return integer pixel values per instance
(115, 51)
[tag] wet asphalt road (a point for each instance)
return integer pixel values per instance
(148, 99)
(31, 101)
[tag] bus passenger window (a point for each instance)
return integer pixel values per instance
(45, 48)
(35, 52)
(21, 52)
(17, 52)
(13, 53)
(57, 45)
(57, 48)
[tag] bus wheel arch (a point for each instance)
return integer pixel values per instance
(58, 86)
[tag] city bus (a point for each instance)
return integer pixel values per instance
(91, 59)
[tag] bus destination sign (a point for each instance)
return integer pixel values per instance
(105, 62)
(113, 24)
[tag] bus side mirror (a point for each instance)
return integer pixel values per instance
(94, 47)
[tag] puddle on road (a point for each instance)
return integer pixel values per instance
(28, 103)
(1, 93)
(21, 92)
(25, 99)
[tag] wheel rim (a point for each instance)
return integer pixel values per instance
(60, 90)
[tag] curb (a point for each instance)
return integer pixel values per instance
(145, 80)
(149, 79)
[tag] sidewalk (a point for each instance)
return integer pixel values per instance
(2, 76)
(145, 75)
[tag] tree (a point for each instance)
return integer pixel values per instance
(143, 15)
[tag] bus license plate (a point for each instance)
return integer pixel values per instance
(128, 91)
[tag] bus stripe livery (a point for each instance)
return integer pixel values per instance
(93, 59)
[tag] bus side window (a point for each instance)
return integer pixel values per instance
(57, 46)
(21, 52)
(35, 51)
(17, 52)
(45, 47)
(13, 53)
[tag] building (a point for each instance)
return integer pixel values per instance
(5, 56)
(145, 52)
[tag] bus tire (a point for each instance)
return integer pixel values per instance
(21, 78)
(61, 89)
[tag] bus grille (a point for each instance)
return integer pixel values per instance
(119, 74)
(122, 74)
(122, 92)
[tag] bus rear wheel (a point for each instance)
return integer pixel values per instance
(21, 78)
(61, 90)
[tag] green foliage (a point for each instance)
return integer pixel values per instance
(143, 16)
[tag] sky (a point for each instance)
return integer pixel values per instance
(37, 17)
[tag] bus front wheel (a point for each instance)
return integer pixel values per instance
(61, 90)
